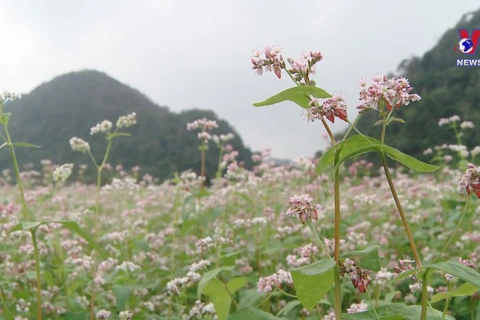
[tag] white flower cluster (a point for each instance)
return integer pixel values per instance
(127, 183)
(222, 138)
(127, 266)
(383, 277)
(358, 307)
(266, 284)
(467, 125)
(62, 173)
(475, 151)
(204, 136)
(461, 149)
(127, 121)
(198, 310)
(103, 127)
(452, 119)
(6, 96)
(125, 315)
(176, 285)
(203, 124)
(304, 163)
(103, 314)
(79, 145)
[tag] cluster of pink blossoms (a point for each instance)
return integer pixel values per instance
(272, 60)
(267, 284)
(301, 206)
(470, 181)
(360, 277)
(330, 108)
(393, 92)
(204, 125)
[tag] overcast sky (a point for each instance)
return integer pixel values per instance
(196, 53)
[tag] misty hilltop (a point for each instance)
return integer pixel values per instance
(70, 104)
(445, 89)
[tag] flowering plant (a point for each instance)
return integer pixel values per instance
(383, 95)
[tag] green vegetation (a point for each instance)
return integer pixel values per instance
(445, 89)
(62, 108)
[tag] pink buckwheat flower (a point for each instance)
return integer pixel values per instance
(302, 207)
(394, 92)
(470, 181)
(360, 277)
(273, 61)
(330, 108)
(467, 263)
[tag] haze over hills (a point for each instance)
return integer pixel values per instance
(445, 89)
(70, 104)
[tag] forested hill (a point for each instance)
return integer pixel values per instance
(69, 105)
(445, 90)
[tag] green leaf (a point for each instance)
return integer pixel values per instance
(73, 227)
(122, 294)
(48, 276)
(389, 296)
(379, 122)
(209, 275)
(142, 245)
(202, 193)
(215, 289)
(28, 225)
(452, 203)
(5, 118)
(289, 307)
(398, 120)
(395, 311)
(248, 297)
(458, 270)
(466, 289)
(405, 274)
(252, 313)
(367, 258)
(24, 144)
(236, 283)
(328, 158)
(118, 134)
(312, 282)
(357, 145)
(299, 95)
(7, 316)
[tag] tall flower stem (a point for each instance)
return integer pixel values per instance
(219, 170)
(406, 225)
(424, 295)
(27, 218)
(338, 293)
(465, 208)
(402, 213)
(330, 134)
(202, 172)
(95, 223)
(352, 126)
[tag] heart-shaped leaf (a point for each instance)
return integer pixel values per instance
(466, 289)
(357, 145)
(312, 282)
(299, 95)
(367, 258)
